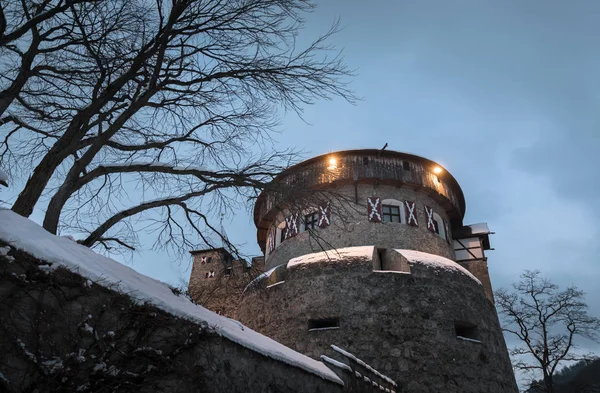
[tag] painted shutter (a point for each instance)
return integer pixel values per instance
(374, 209)
(429, 215)
(324, 215)
(291, 223)
(411, 213)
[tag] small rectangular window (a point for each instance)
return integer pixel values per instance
(323, 324)
(227, 271)
(466, 330)
(406, 165)
(391, 213)
(365, 160)
(311, 220)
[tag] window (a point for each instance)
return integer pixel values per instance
(228, 271)
(391, 213)
(311, 220)
(465, 330)
(210, 274)
(438, 224)
(323, 324)
(406, 165)
(365, 160)
(283, 232)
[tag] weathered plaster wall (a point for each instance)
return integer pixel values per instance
(403, 324)
(62, 333)
(350, 227)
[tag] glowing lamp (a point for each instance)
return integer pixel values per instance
(437, 170)
(332, 161)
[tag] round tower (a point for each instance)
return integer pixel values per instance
(381, 265)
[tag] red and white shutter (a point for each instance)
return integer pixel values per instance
(271, 240)
(429, 215)
(324, 215)
(291, 223)
(411, 213)
(374, 209)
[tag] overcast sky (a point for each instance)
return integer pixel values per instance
(504, 94)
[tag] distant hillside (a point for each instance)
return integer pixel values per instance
(582, 377)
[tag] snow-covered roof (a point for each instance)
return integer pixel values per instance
(26, 235)
(436, 261)
(472, 230)
(362, 252)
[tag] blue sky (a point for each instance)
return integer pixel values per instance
(504, 94)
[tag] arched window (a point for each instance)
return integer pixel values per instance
(393, 211)
(438, 222)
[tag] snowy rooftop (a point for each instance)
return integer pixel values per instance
(26, 235)
(363, 252)
(436, 262)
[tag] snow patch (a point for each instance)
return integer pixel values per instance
(335, 363)
(365, 365)
(274, 285)
(362, 252)
(436, 262)
(468, 339)
(26, 235)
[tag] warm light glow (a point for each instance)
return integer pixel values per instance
(437, 170)
(332, 161)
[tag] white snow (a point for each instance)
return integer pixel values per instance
(468, 339)
(274, 285)
(480, 228)
(436, 262)
(335, 363)
(365, 365)
(26, 235)
(362, 252)
(323, 328)
(260, 277)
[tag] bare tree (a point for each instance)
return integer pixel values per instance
(175, 100)
(546, 320)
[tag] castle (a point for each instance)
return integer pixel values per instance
(369, 254)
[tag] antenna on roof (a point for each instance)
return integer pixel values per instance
(382, 149)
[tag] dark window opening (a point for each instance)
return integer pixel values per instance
(466, 330)
(228, 271)
(365, 160)
(323, 323)
(283, 232)
(436, 227)
(311, 220)
(391, 213)
(406, 165)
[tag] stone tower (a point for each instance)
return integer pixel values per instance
(384, 268)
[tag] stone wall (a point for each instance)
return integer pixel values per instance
(350, 227)
(404, 324)
(59, 332)
(217, 281)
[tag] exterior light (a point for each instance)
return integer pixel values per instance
(332, 161)
(437, 170)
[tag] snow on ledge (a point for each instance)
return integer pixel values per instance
(468, 339)
(365, 365)
(363, 252)
(26, 235)
(336, 363)
(437, 262)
